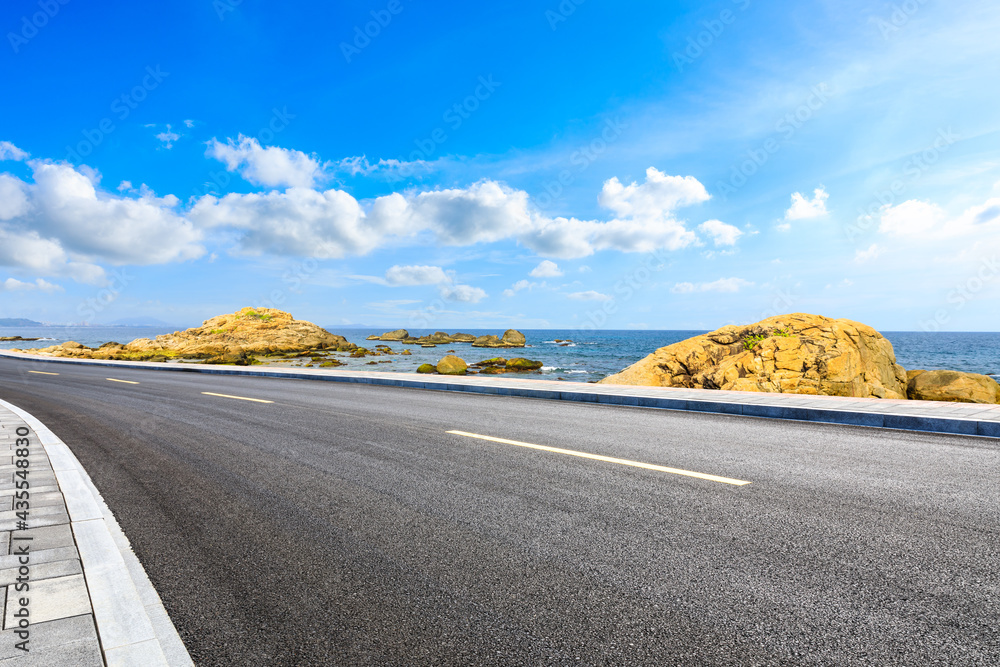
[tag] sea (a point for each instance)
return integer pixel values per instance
(582, 356)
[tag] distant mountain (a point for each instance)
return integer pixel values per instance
(141, 322)
(18, 322)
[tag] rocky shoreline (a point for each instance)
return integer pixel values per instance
(801, 353)
(796, 353)
(266, 336)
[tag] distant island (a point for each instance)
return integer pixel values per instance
(18, 322)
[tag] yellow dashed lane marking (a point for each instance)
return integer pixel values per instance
(123, 381)
(43, 373)
(608, 459)
(238, 398)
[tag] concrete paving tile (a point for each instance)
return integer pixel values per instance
(36, 521)
(49, 537)
(33, 511)
(80, 500)
(118, 609)
(61, 633)
(147, 653)
(50, 599)
(40, 556)
(39, 571)
(45, 488)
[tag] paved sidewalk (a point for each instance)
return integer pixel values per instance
(88, 600)
(930, 416)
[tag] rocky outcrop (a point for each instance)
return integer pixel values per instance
(510, 338)
(952, 386)
(233, 338)
(794, 354)
(398, 334)
(452, 365)
(521, 364)
(499, 365)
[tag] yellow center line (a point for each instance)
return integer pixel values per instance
(43, 373)
(123, 381)
(608, 459)
(239, 398)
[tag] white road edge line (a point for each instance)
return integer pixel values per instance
(608, 459)
(129, 615)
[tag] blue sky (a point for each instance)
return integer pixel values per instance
(547, 164)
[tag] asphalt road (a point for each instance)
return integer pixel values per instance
(343, 524)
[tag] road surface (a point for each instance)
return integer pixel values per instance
(328, 523)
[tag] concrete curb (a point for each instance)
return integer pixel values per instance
(925, 416)
(133, 626)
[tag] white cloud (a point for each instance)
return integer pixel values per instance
(519, 286)
(168, 137)
(9, 151)
(434, 275)
(805, 209)
(911, 218)
(462, 293)
(13, 197)
(721, 233)
(391, 169)
(917, 219)
(13, 285)
(66, 205)
(658, 195)
(62, 224)
(334, 224)
(720, 285)
(589, 295)
(546, 269)
(189, 123)
(416, 275)
(862, 256)
(270, 167)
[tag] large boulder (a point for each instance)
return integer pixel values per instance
(792, 354)
(521, 364)
(436, 338)
(452, 365)
(398, 334)
(463, 338)
(511, 338)
(952, 386)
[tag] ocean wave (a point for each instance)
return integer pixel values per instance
(559, 369)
